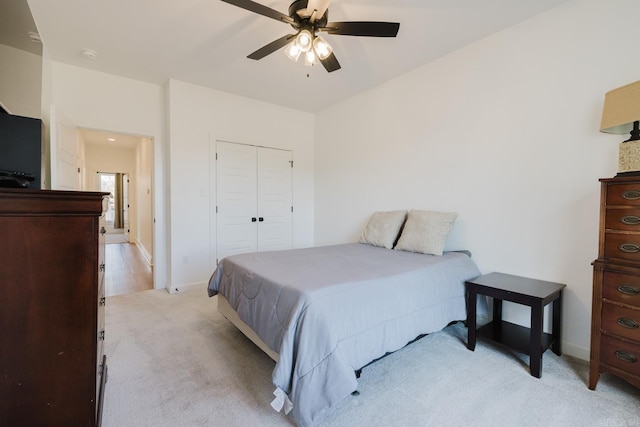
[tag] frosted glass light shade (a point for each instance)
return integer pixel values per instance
(304, 40)
(310, 58)
(292, 51)
(322, 48)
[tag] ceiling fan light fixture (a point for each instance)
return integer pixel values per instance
(322, 48)
(310, 58)
(308, 17)
(304, 40)
(292, 51)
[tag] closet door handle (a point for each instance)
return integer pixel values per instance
(261, 219)
(254, 219)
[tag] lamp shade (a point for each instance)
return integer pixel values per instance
(621, 109)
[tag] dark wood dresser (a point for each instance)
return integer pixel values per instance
(615, 332)
(52, 366)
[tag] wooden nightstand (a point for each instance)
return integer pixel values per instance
(531, 292)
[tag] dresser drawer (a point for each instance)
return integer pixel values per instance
(620, 354)
(621, 321)
(623, 194)
(622, 246)
(623, 219)
(621, 287)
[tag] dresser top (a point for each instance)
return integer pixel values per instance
(622, 179)
(22, 202)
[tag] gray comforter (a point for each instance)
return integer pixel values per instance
(330, 310)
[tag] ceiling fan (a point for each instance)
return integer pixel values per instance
(308, 17)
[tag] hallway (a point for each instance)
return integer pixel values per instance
(126, 270)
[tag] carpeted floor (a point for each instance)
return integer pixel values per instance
(175, 361)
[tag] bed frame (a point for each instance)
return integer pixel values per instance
(229, 313)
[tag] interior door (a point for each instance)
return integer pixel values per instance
(236, 202)
(64, 152)
(275, 177)
(125, 205)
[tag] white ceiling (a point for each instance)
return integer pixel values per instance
(205, 42)
(16, 23)
(109, 139)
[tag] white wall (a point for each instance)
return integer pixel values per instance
(504, 132)
(20, 81)
(144, 197)
(103, 101)
(198, 117)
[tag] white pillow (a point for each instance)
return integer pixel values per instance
(383, 228)
(426, 231)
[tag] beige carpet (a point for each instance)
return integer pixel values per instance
(175, 361)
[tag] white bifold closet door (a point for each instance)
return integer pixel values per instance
(254, 208)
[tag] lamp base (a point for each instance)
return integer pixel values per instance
(629, 157)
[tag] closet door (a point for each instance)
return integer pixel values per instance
(274, 199)
(254, 199)
(237, 223)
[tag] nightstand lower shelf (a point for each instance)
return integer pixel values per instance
(515, 336)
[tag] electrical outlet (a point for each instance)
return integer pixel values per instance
(185, 259)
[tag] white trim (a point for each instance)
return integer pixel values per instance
(187, 287)
(575, 351)
(5, 108)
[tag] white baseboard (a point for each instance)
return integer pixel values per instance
(575, 351)
(145, 253)
(187, 287)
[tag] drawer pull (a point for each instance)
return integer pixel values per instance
(627, 323)
(630, 220)
(631, 195)
(629, 248)
(628, 290)
(626, 357)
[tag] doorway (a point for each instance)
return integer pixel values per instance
(117, 215)
(122, 165)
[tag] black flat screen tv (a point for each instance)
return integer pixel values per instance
(20, 151)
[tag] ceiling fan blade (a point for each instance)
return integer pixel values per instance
(331, 63)
(261, 10)
(363, 28)
(271, 47)
(320, 6)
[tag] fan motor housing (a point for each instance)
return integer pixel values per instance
(304, 22)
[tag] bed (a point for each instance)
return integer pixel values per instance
(323, 313)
